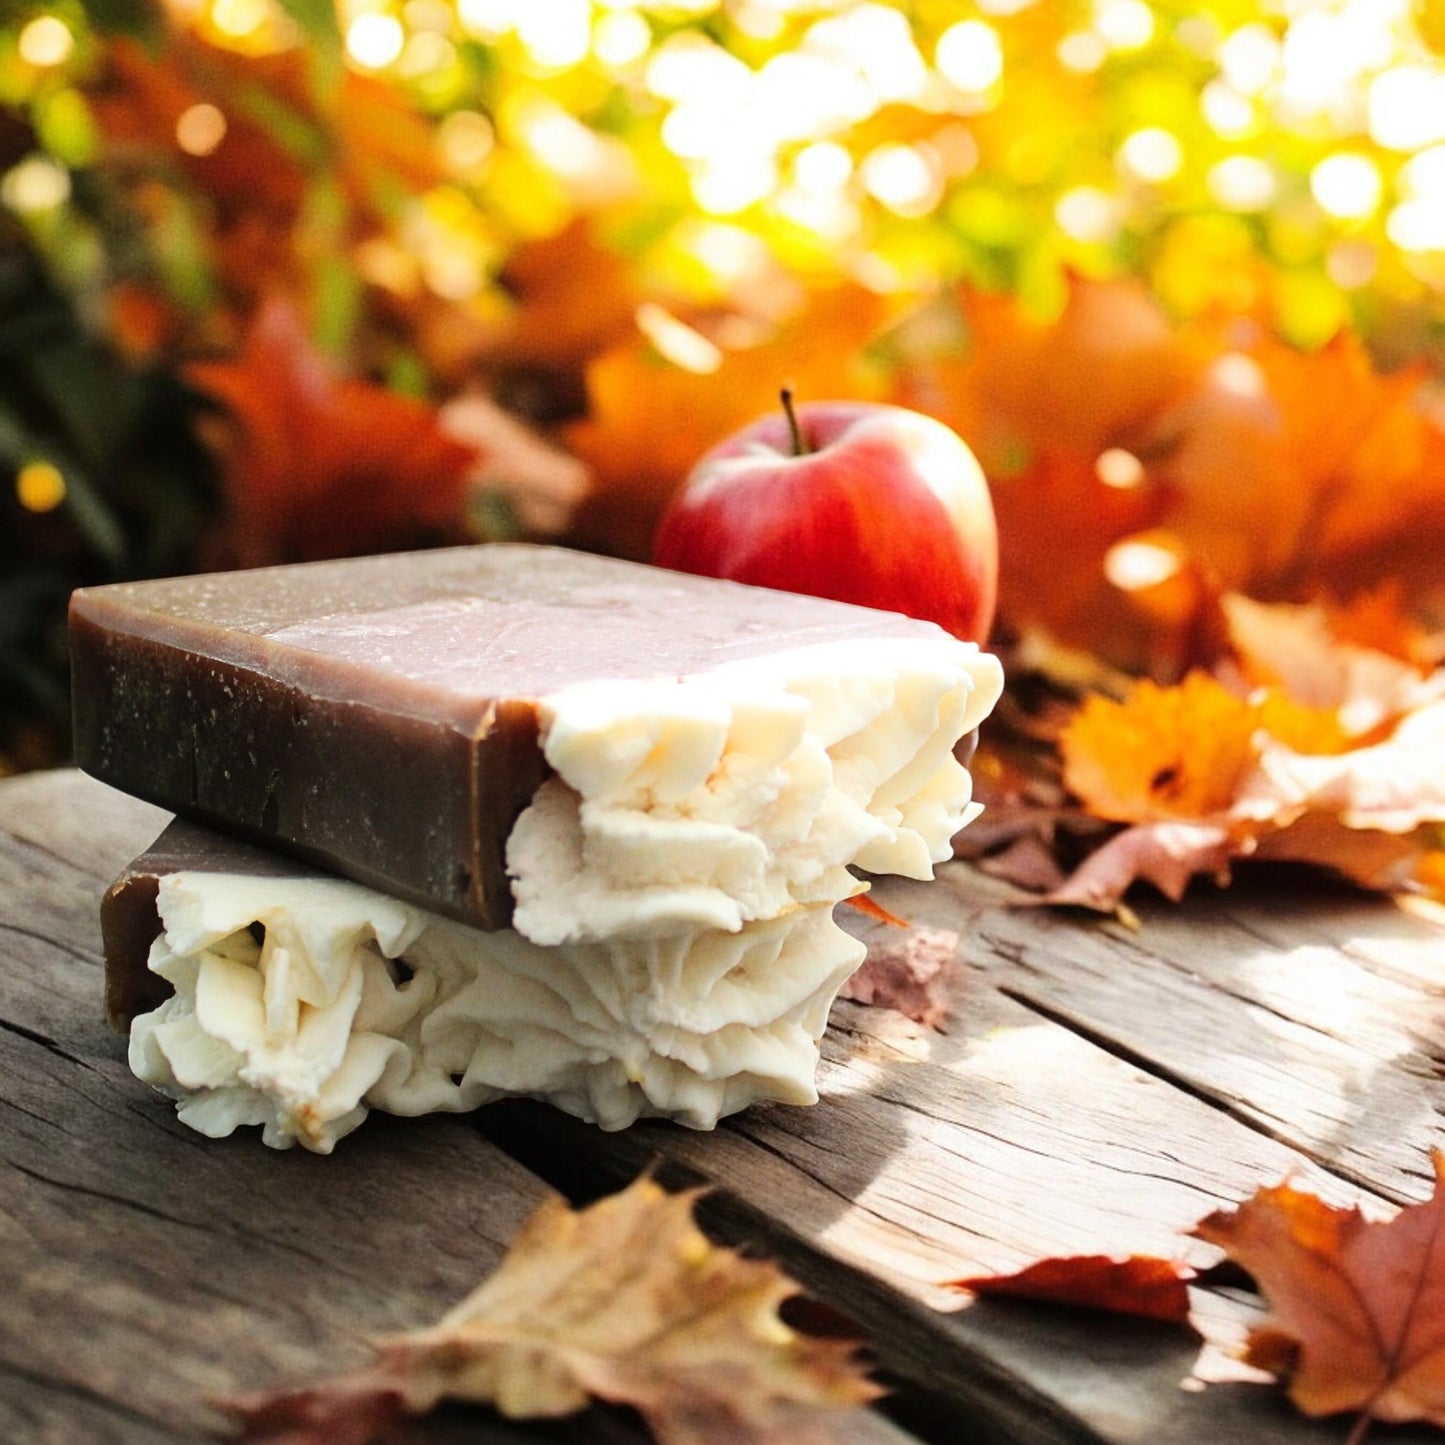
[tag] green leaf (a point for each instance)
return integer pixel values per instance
(141, 19)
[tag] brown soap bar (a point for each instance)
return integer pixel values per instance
(130, 923)
(378, 715)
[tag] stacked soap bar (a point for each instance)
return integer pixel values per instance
(596, 816)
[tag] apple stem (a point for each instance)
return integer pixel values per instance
(800, 446)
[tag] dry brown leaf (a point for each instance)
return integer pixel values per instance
(1141, 1284)
(624, 1301)
(1357, 1307)
(1167, 854)
(542, 484)
(911, 971)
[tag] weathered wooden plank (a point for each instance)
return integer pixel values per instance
(1316, 1014)
(144, 1268)
(1016, 1137)
(1040, 1124)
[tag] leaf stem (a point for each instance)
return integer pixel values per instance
(800, 446)
(1361, 1428)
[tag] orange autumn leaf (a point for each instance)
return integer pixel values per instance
(1085, 379)
(1301, 727)
(649, 418)
(1142, 1285)
(625, 1301)
(1285, 468)
(1057, 407)
(315, 464)
(281, 132)
(1357, 1306)
(1163, 753)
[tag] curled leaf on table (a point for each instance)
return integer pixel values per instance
(1357, 1306)
(1138, 1284)
(1301, 745)
(624, 1301)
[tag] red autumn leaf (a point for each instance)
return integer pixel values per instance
(315, 464)
(1357, 1306)
(1156, 1289)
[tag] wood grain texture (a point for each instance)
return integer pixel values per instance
(1096, 1090)
(144, 1268)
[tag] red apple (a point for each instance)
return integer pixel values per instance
(857, 501)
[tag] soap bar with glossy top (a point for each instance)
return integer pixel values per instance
(379, 716)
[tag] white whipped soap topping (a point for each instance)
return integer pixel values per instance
(673, 950)
(739, 793)
(343, 1000)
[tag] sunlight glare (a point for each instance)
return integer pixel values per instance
(35, 184)
(1124, 24)
(556, 34)
(465, 139)
(1239, 375)
(1226, 111)
(1249, 58)
(620, 38)
(1242, 183)
(677, 341)
(1089, 214)
(1347, 186)
(1152, 154)
(240, 19)
(46, 40)
(903, 178)
(1407, 108)
(1134, 565)
(970, 56)
(1119, 469)
(822, 167)
(374, 41)
(200, 129)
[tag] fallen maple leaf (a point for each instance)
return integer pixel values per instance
(1305, 749)
(1167, 854)
(1164, 752)
(316, 464)
(1357, 1307)
(1141, 1284)
(625, 1301)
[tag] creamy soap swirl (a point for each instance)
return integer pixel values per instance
(739, 793)
(674, 951)
(349, 1000)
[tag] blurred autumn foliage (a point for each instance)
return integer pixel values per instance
(281, 279)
